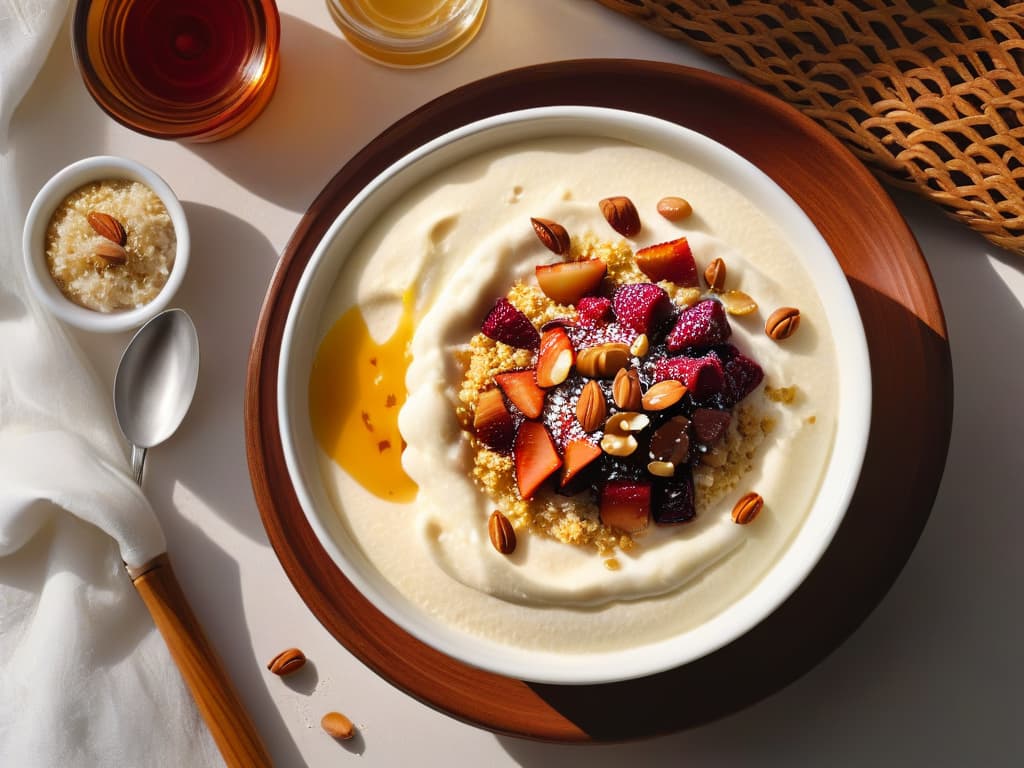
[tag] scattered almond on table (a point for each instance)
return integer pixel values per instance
(287, 662)
(338, 726)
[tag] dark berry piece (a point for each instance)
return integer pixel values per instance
(507, 324)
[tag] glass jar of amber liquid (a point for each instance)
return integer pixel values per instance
(192, 70)
(408, 33)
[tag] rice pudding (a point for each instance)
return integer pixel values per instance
(110, 245)
(423, 279)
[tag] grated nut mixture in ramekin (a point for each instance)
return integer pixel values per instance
(94, 270)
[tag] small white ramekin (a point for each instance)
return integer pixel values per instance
(62, 184)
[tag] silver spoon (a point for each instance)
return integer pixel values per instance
(153, 389)
(155, 382)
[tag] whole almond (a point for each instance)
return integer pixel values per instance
(782, 323)
(663, 395)
(552, 234)
(110, 253)
(107, 226)
(621, 214)
(674, 208)
(714, 275)
(626, 389)
(747, 508)
(602, 361)
(338, 726)
(591, 408)
(503, 535)
(286, 662)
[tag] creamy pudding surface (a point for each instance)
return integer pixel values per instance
(442, 254)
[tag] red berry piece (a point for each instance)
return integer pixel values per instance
(594, 311)
(579, 454)
(492, 421)
(641, 307)
(507, 324)
(709, 424)
(556, 358)
(534, 456)
(741, 374)
(673, 498)
(703, 376)
(671, 261)
(521, 388)
(626, 505)
(702, 325)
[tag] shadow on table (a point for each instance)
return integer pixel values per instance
(315, 120)
(230, 267)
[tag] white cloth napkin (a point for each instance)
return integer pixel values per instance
(85, 679)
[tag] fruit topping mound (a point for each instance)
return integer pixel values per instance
(607, 398)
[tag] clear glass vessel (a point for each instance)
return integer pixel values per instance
(192, 70)
(408, 33)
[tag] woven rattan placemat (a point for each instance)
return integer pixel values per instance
(929, 93)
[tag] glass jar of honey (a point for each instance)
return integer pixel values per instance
(191, 70)
(408, 33)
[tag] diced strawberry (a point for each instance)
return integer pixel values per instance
(594, 310)
(741, 374)
(520, 387)
(567, 281)
(579, 454)
(671, 261)
(626, 505)
(701, 325)
(709, 424)
(641, 307)
(535, 457)
(507, 324)
(556, 357)
(703, 376)
(673, 498)
(492, 421)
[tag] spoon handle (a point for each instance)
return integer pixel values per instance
(138, 463)
(218, 702)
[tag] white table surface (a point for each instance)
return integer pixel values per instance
(931, 678)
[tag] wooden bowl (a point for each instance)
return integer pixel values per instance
(911, 414)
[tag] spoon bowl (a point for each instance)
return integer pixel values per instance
(155, 382)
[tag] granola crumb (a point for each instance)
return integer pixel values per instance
(786, 395)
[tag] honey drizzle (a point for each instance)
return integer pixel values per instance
(356, 389)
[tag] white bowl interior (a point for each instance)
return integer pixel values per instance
(842, 472)
(42, 209)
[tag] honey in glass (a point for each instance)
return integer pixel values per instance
(408, 33)
(196, 70)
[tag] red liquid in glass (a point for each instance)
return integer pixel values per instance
(188, 51)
